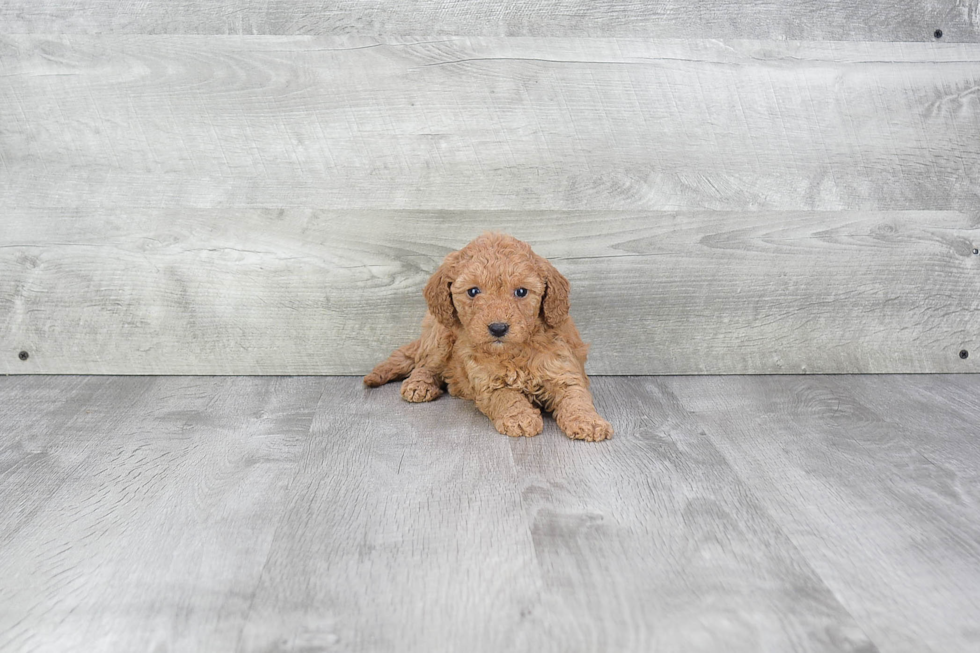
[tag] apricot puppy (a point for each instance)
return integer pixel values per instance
(498, 332)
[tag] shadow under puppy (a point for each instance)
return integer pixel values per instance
(498, 332)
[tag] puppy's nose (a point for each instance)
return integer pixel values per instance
(498, 329)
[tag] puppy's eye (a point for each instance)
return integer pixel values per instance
(473, 292)
(520, 292)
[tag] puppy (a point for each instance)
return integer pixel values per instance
(498, 332)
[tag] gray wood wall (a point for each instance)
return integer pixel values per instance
(244, 187)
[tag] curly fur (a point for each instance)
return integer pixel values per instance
(538, 363)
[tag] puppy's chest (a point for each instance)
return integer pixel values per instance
(519, 379)
(510, 374)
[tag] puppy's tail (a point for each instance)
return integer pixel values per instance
(399, 365)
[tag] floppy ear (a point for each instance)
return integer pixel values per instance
(554, 304)
(437, 294)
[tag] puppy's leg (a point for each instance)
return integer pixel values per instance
(397, 366)
(421, 385)
(511, 412)
(577, 417)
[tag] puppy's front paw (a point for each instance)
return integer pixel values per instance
(590, 428)
(418, 390)
(526, 424)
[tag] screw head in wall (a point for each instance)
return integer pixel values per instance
(938, 34)
(23, 355)
(964, 354)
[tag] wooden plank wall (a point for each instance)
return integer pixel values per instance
(245, 187)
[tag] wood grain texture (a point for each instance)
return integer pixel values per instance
(49, 429)
(874, 481)
(156, 539)
(487, 123)
(707, 569)
(215, 515)
(404, 532)
(875, 20)
(333, 292)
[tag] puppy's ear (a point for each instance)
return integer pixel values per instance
(554, 304)
(437, 294)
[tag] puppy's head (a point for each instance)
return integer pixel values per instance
(498, 291)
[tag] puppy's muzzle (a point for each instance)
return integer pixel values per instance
(498, 329)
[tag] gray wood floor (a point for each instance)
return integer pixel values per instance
(834, 513)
